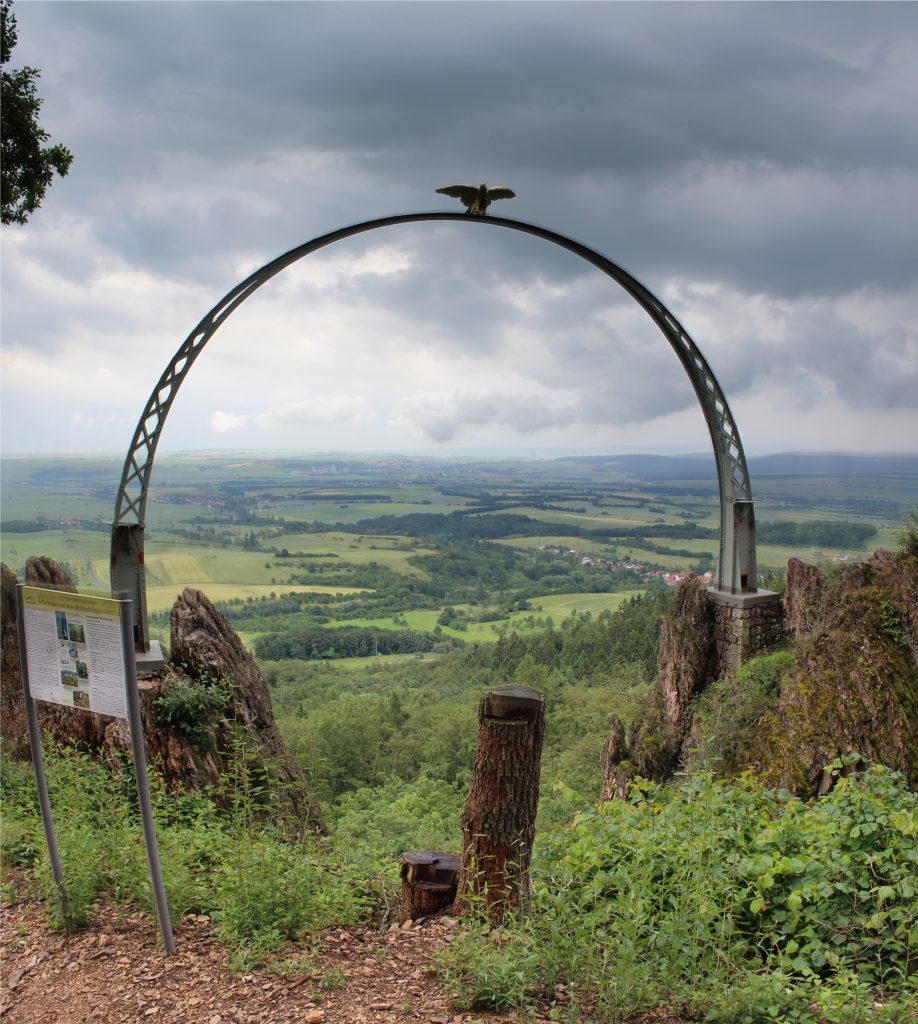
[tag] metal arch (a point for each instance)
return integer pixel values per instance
(736, 567)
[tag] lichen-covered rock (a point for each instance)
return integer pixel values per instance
(45, 572)
(803, 598)
(684, 667)
(686, 650)
(853, 685)
(616, 769)
(206, 649)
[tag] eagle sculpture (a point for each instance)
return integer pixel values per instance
(477, 198)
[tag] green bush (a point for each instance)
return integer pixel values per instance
(266, 892)
(260, 886)
(725, 899)
(194, 708)
(729, 711)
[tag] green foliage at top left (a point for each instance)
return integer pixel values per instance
(26, 164)
(192, 707)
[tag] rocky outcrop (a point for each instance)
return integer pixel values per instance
(852, 686)
(803, 598)
(684, 667)
(616, 769)
(207, 650)
(241, 737)
(686, 657)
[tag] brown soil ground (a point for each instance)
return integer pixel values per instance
(115, 972)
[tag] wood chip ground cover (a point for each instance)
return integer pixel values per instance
(114, 972)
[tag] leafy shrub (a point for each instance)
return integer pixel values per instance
(723, 898)
(729, 710)
(192, 707)
(259, 886)
(266, 892)
(909, 535)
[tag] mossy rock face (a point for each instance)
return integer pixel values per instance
(853, 685)
(654, 744)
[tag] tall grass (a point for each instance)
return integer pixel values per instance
(259, 882)
(724, 901)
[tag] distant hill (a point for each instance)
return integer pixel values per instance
(791, 464)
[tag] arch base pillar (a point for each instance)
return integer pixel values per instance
(745, 625)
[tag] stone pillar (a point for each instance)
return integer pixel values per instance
(744, 625)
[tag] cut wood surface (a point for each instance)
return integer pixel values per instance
(429, 879)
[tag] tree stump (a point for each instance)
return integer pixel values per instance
(498, 818)
(428, 883)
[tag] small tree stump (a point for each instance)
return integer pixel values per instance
(498, 818)
(428, 883)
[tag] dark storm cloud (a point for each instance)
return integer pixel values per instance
(695, 110)
(767, 150)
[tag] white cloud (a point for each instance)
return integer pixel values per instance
(221, 422)
(445, 417)
(330, 410)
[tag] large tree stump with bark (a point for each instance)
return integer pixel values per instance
(498, 818)
(428, 883)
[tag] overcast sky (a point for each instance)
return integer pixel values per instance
(755, 166)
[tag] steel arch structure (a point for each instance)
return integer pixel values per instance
(736, 573)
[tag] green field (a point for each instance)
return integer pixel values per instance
(635, 517)
(161, 597)
(247, 529)
(555, 606)
(392, 552)
(563, 605)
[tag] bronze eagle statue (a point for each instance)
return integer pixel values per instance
(477, 198)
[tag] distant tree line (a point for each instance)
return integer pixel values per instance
(467, 524)
(821, 533)
(310, 642)
(41, 524)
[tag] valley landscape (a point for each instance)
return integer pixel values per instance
(342, 572)
(381, 596)
(445, 720)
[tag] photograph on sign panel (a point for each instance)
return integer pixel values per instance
(61, 620)
(82, 669)
(69, 653)
(81, 699)
(69, 679)
(77, 634)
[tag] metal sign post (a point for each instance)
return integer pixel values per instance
(79, 652)
(140, 771)
(38, 763)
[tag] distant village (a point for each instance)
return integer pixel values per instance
(671, 579)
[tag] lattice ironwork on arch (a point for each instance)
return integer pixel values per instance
(737, 565)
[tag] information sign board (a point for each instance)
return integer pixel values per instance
(78, 651)
(75, 653)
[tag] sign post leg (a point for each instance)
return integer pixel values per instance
(140, 771)
(38, 764)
